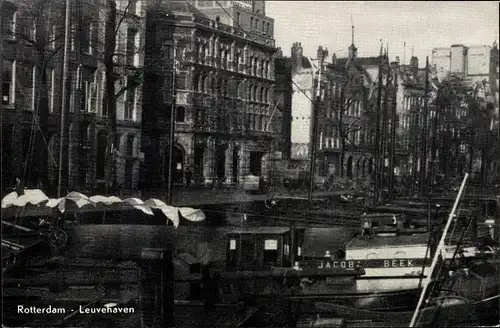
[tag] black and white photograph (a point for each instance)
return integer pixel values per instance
(249, 163)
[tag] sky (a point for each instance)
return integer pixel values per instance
(422, 25)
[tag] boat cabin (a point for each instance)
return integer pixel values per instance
(260, 248)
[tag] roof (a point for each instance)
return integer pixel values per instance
(389, 241)
(260, 230)
(183, 6)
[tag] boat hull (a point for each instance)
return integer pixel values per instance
(455, 313)
(393, 300)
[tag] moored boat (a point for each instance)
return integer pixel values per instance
(446, 311)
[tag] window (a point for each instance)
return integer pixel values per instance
(237, 60)
(268, 29)
(254, 66)
(201, 54)
(32, 33)
(102, 141)
(33, 87)
(205, 3)
(251, 23)
(9, 83)
(130, 145)
(101, 92)
(262, 95)
(180, 114)
(52, 85)
(10, 25)
(92, 94)
(264, 27)
(73, 36)
(238, 18)
(130, 100)
(90, 38)
(137, 45)
(262, 68)
(132, 35)
(52, 37)
(270, 251)
(257, 25)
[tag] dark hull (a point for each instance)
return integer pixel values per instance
(380, 301)
(459, 314)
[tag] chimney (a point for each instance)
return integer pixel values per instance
(414, 65)
(279, 53)
(334, 59)
(296, 57)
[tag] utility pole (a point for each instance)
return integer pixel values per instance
(385, 122)
(172, 125)
(423, 160)
(62, 171)
(377, 130)
(316, 109)
(433, 173)
(392, 155)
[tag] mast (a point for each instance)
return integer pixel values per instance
(62, 138)
(393, 131)
(172, 126)
(385, 123)
(439, 249)
(377, 129)
(423, 156)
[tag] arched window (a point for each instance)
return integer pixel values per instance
(102, 141)
(255, 64)
(226, 88)
(180, 114)
(214, 86)
(237, 60)
(254, 96)
(200, 84)
(250, 65)
(250, 93)
(263, 123)
(201, 54)
(262, 68)
(206, 82)
(129, 150)
(262, 95)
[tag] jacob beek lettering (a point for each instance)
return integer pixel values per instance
(390, 263)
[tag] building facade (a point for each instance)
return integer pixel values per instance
(32, 79)
(224, 95)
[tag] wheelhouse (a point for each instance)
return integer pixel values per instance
(261, 248)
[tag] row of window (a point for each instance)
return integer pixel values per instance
(18, 79)
(356, 138)
(221, 87)
(254, 65)
(127, 43)
(410, 101)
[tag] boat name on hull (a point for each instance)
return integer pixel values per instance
(379, 263)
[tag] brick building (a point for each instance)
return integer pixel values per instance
(348, 146)
(224, 93)
(33, 40)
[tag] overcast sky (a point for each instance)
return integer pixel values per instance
(423, 25)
